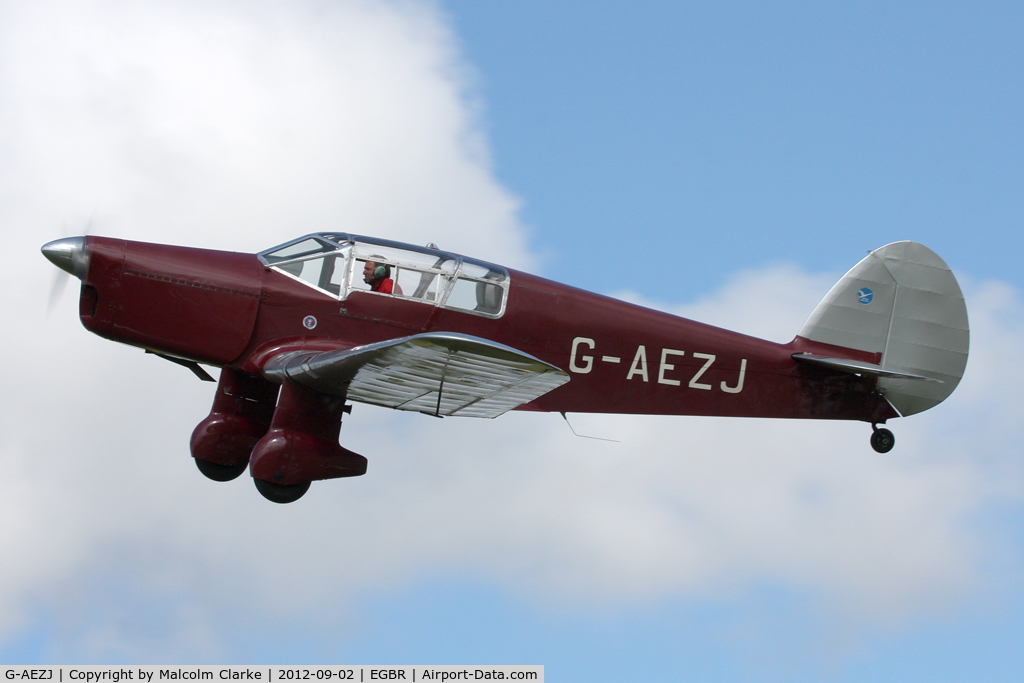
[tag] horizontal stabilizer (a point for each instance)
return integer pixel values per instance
(438, 373)
(858, 367)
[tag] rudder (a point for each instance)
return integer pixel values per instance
(902, 301)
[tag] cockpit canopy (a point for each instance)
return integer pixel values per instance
(333, 264)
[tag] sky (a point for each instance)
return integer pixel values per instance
(726, 162)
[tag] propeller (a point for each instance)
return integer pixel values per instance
(68, 254)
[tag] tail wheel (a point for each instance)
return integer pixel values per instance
(217, 472)
(882, 440)
(281, 493)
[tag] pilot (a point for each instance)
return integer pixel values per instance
(378, 276)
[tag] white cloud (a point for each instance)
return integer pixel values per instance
(763, 303)
(238, 126)
(230, 127)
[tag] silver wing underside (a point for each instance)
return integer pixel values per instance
(438, 373)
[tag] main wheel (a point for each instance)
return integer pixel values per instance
(280, 493)
(882, 440)
(217, 472)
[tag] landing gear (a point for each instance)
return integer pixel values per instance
(302, 445)
(281, 493)
(882, 439)
(287, 436)
(242, 411)
(217, 472)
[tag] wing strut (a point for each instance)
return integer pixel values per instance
(440, 388)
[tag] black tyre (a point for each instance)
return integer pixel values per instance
(882, 440)
(280, 493)
(217, 472)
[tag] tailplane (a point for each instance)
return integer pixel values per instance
(903, 303)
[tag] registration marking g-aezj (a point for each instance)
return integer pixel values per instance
(583, 364)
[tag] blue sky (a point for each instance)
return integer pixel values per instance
(727, 162)
(731, 134)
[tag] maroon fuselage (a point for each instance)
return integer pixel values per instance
(227, 309)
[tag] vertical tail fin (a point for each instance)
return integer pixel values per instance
(904, 303)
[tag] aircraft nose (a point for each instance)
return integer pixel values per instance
(68, 254)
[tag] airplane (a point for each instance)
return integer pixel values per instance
(300, 329)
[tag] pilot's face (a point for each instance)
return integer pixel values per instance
(368, 272)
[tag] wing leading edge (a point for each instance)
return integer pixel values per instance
(438, 373)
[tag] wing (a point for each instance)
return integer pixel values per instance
(438, 373)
